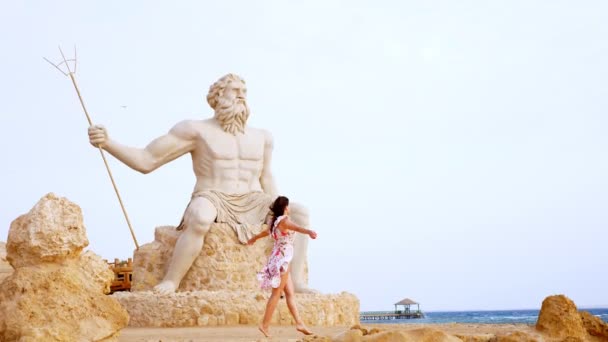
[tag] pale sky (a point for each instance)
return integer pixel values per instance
(452, 152)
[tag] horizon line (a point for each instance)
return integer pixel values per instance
(585, 307)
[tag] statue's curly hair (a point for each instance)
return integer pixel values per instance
(218, 87)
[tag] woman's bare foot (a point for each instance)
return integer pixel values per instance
(303, 329)
(264, 331)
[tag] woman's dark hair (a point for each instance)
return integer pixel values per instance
(278, 208)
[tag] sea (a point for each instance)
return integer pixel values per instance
(476, 317)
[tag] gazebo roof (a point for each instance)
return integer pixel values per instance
(405, 301)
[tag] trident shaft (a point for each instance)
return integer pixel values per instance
(71, 73)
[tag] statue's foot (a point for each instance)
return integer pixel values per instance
(301, 288)
(165, 287)
(303, 329)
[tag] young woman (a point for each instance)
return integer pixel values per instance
(275, 275)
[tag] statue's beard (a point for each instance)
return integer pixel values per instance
(232, 115)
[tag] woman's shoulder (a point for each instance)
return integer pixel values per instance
(282, 218)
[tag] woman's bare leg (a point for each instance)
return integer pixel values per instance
(293, 308)
(272, 304)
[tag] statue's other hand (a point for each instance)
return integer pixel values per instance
(98, 135)
(313, 234)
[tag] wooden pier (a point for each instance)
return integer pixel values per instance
(388, 315)
(403, 310)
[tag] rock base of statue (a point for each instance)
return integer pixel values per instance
(220, 288)
(224, 264)
(212, 308)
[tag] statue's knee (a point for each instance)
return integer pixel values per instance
(199, 217)
(199, 226)
(198, 223)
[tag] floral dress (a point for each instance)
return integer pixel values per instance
(282, 253)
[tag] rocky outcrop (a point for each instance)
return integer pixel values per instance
(56, 292)
(594, 325)
(559, 318)
(518, 336)
(52, 232)
(421, 335)
(224, 264)
(5, 268)
(212, 308)
(360, 334)
(477, 338)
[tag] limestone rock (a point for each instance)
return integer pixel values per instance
(52, 231)
(422, 335)
(477, 338)
(212, 308)
(364, 331)
(373, 331)
(352, 335)
(360, 334)
(5, 268)
(223, 264)
(595, 326)
(415, 335)
(56, 293)
(517, 336)
(56, 303)
(96, 270)
(559, 318)
(316, 338)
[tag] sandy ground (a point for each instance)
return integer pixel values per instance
(217, 334)
(289, 334)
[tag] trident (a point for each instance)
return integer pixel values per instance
(71, 73)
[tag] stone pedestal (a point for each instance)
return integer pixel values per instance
(211, 308)
(220, 288)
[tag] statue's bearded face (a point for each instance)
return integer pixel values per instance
(230, 103)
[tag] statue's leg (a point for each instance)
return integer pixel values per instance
(299, 215)
(197, 220)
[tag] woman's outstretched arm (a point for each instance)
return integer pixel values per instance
(262, 234)
(288, 224)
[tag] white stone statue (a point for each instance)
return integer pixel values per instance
(234, 182)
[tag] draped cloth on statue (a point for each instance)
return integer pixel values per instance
(244, 213)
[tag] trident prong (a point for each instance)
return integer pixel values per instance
(72, 76)
(65, 61)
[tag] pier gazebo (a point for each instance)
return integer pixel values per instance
(406, 313)
(406, 303)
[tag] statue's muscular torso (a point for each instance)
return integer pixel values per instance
(221, 161)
